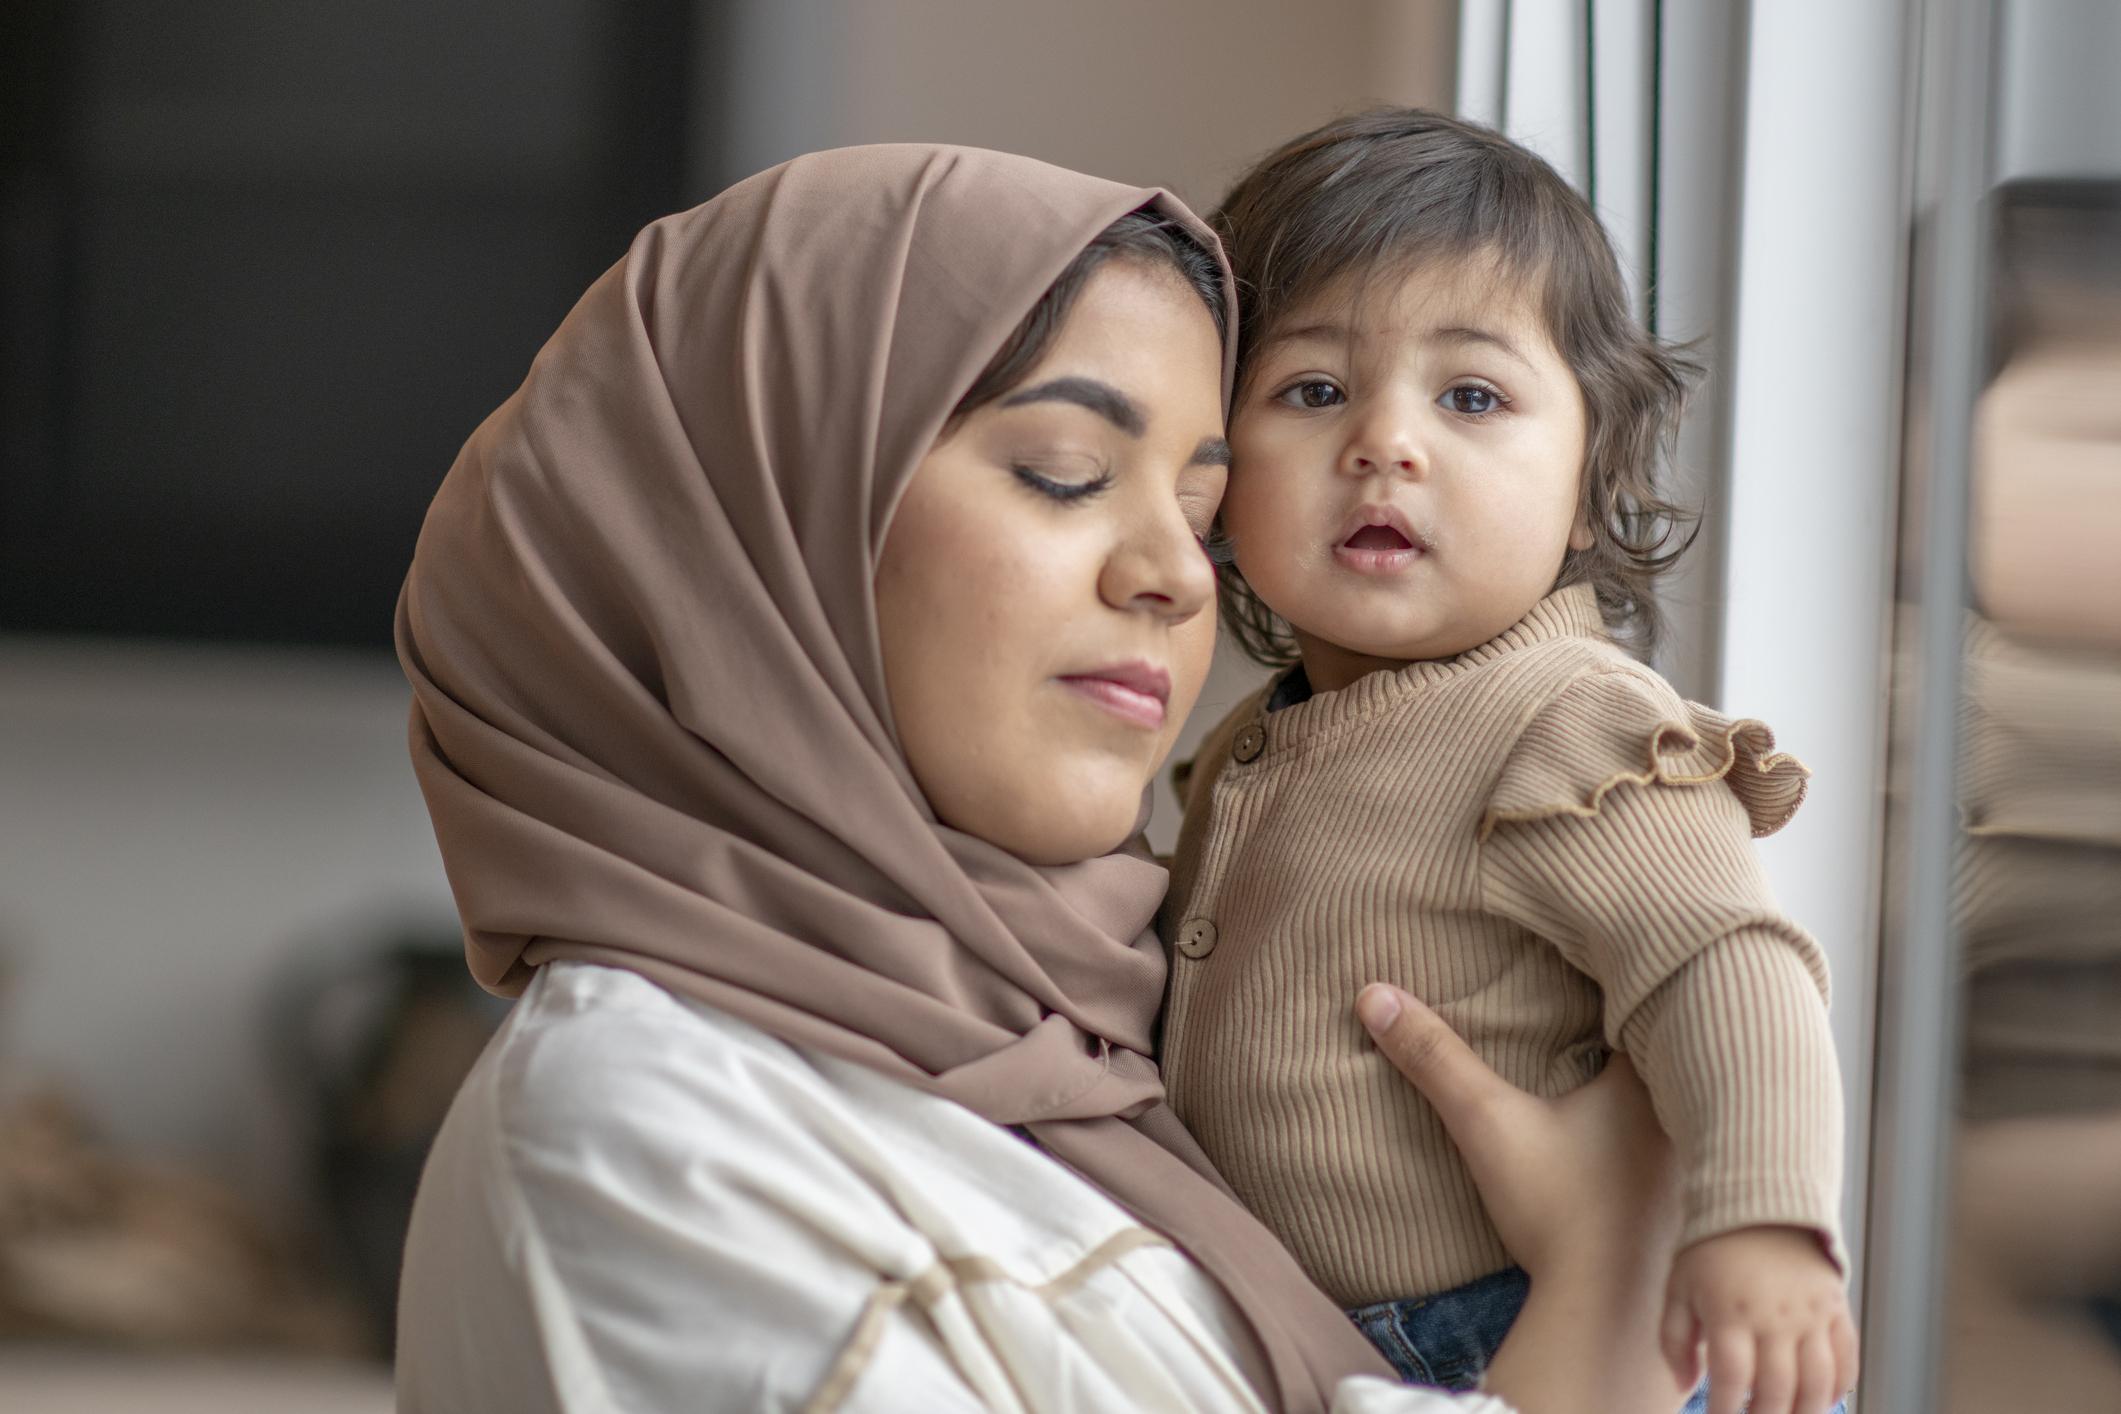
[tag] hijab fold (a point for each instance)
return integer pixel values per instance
(649, 715)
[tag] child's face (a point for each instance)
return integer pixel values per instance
(1407, 469)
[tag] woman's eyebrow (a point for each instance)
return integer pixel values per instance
(1103, 399)
(1212, 451)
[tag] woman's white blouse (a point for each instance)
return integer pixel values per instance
(639, 1203)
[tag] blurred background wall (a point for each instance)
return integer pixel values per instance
(1181, 95)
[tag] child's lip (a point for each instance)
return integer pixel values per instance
(1378, 561)
(1388, 517)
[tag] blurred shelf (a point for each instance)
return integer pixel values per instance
(83, 1380)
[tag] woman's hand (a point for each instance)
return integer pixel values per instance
(1584, 1193)
(1580, 1182)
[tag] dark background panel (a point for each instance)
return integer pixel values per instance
(263, 267)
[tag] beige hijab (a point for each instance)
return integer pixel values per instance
(649, 711)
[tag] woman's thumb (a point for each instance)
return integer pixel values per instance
(1430, 1054)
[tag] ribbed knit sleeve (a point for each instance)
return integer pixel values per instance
(1643, 874)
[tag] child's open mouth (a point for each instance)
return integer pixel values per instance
(1381, 542)
(1378, 537)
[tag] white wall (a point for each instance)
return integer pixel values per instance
(1814, 363)
(177, 823)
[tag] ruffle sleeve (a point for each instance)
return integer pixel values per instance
(1628, 726)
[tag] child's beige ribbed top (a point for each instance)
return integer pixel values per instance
(1548, 844)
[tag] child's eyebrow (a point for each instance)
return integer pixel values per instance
(1487, 338)
(1335, 331)
(1326, 331)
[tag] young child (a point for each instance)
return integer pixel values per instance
(1442, 520)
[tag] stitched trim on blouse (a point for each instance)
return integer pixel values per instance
(941, 1280)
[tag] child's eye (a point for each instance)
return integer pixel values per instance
(1472, 399)
(1311, 393)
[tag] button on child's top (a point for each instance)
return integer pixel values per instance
(1196, 937)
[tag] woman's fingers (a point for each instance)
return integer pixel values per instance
(1431, 1055)
(1587, 1177)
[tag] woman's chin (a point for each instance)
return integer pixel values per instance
(1056, 846)
(1097, 823)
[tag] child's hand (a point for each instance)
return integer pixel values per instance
(1774, 1315)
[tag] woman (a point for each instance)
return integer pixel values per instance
(790, 655)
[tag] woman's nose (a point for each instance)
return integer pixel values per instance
(1159, 568)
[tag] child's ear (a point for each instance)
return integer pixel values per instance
(1580, 537)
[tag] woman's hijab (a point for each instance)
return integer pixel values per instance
(649, 710)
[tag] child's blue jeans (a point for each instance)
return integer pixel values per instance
(1447, 1340)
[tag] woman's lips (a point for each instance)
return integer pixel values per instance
(1136, 693)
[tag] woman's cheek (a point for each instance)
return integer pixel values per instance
(1192, 654)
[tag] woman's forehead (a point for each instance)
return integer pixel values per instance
(1138, 347)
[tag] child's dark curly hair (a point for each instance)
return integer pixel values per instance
(1396, 188)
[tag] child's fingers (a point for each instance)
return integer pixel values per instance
(1680, 1338)
(1816, 1387)
(1841, 1337)
(1730, 1369)
(1774, 1376)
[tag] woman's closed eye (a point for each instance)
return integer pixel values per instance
(1474, 400)
(1072, 480)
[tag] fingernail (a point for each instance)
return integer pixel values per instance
(1377, 1006)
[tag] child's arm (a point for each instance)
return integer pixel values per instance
(1648, 882)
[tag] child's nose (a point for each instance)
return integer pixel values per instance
(1388, 450)
(1364, 465)
(1383, 438)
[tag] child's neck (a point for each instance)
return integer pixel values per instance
(1328, 667)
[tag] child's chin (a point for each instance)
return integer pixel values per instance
(1399, 642)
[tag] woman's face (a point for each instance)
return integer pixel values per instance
(1046, 610)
